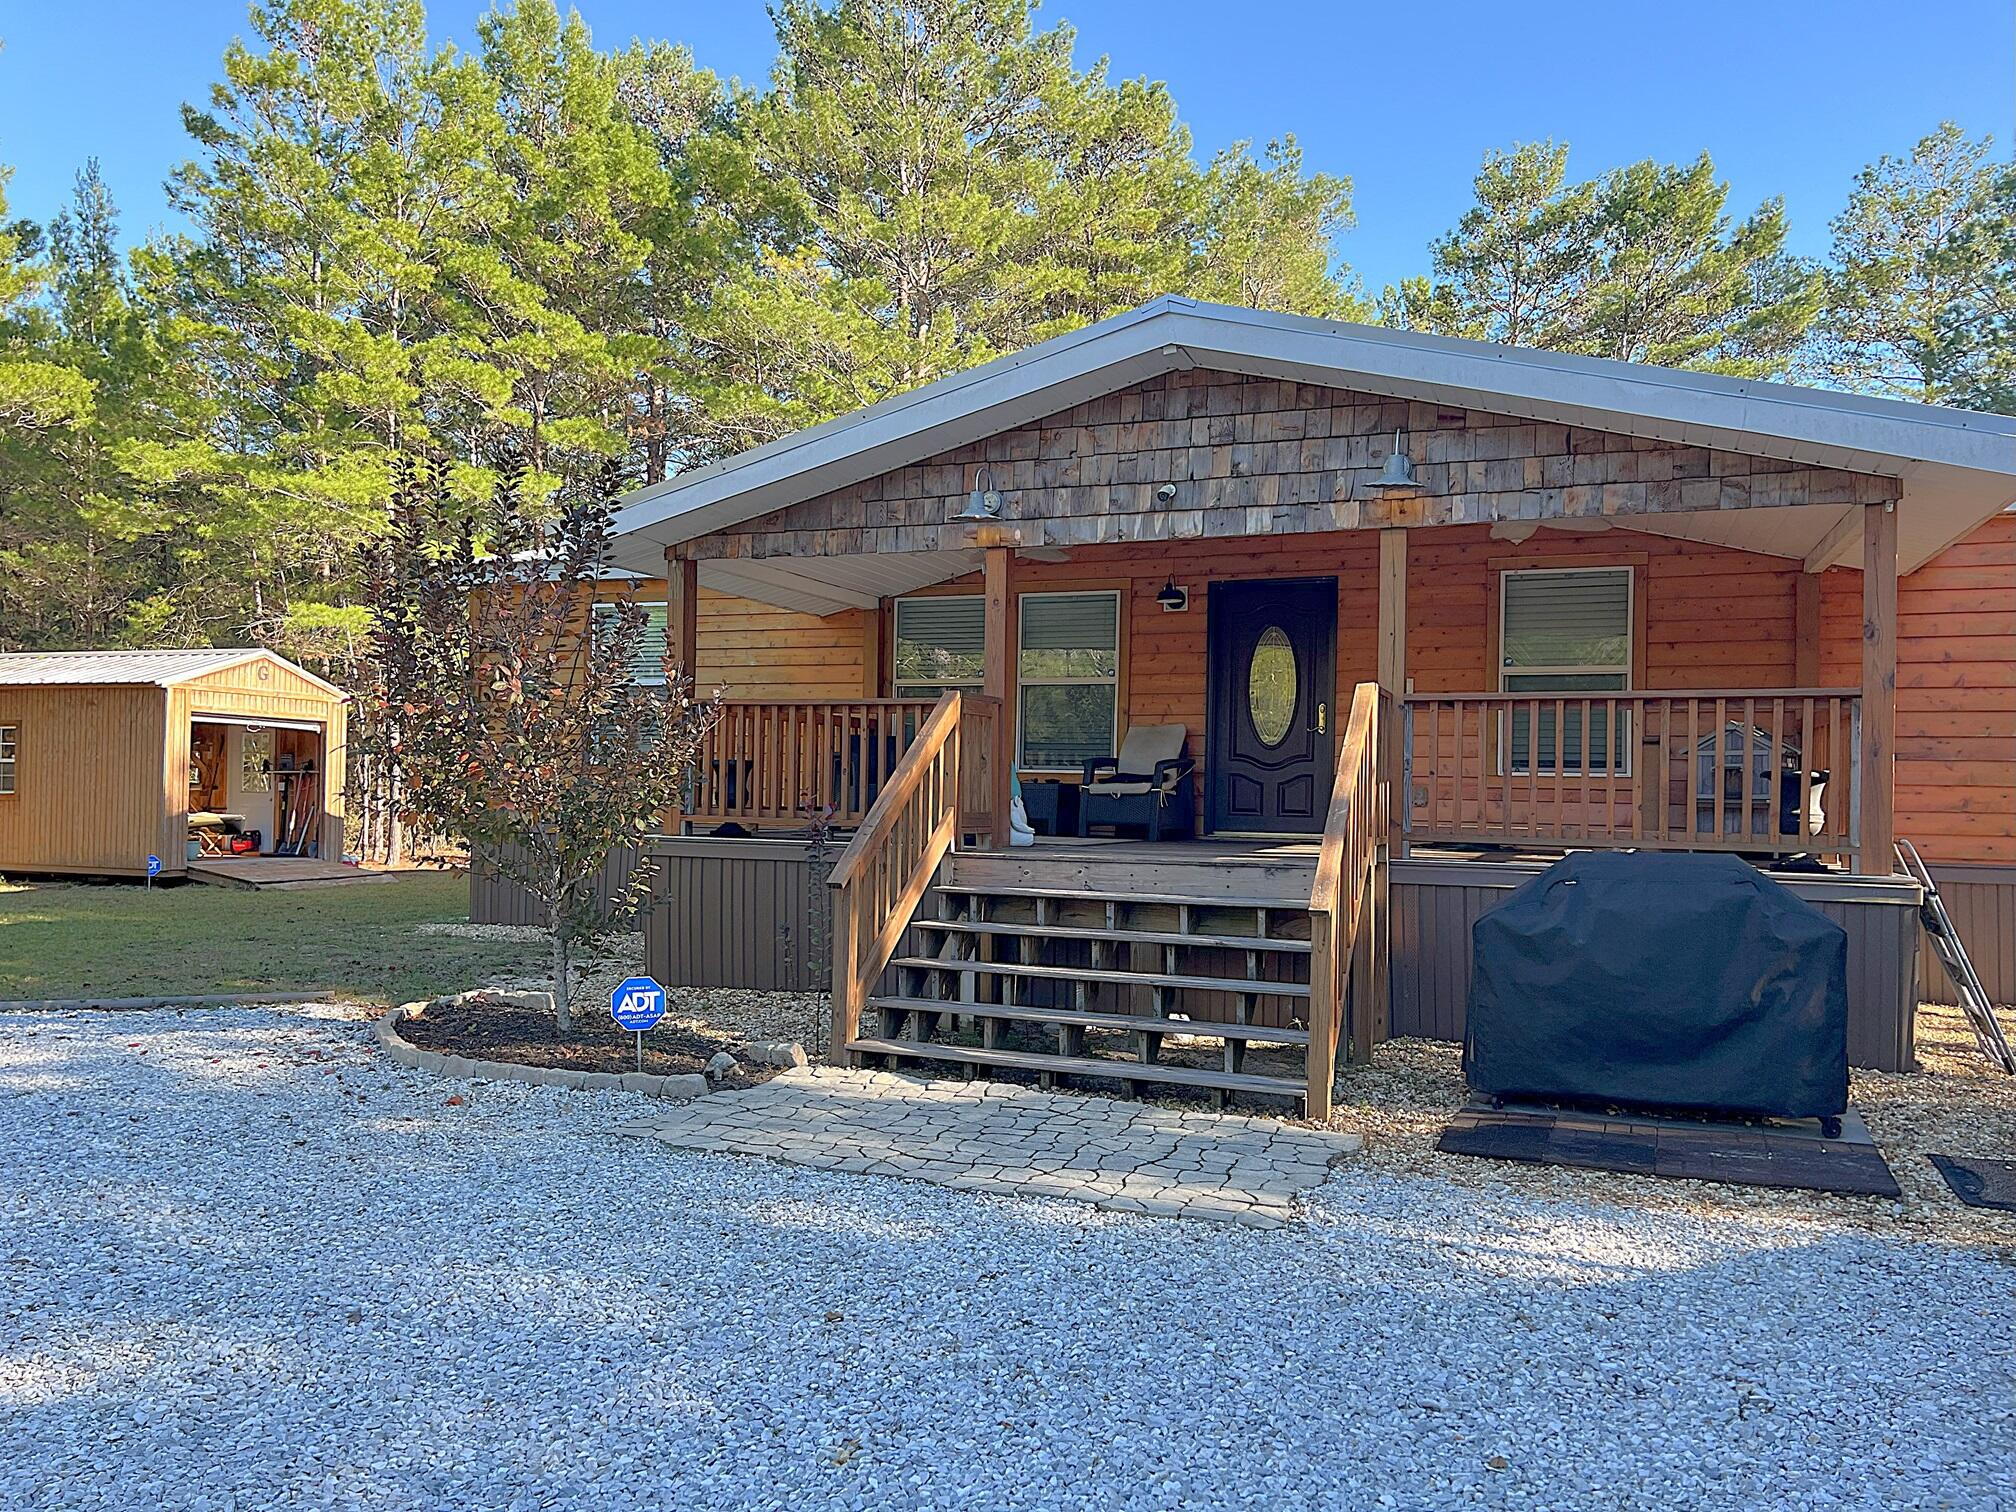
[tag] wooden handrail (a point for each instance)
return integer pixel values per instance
(1347, 964)
(882, 875)
(1747, 771)
(788, 762)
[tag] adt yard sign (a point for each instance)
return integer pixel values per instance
(638, 1004)
(153, 869)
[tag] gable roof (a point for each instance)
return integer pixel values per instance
(1958, 467)
(140, 668)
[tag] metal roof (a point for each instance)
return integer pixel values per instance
(1958, 467)
(141, 668)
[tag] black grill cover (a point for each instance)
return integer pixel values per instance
(1660, 981)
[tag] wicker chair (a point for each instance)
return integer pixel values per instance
(1150, 783)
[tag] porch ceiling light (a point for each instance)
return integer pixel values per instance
(1173, 599)
(984, 503)
(1399, 470)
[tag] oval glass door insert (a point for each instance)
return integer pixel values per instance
(1270, 686)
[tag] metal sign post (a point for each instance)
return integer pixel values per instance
(637, 1004)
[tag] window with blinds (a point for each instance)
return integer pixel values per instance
(647, 661)
(9, 735)
(1566, 631)
(1068, 678)
(940, 644)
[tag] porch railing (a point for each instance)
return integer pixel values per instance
(1767, 772)
(886, 868)
(783, 763)
(1347, 962)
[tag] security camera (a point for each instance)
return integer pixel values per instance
(1166, 494)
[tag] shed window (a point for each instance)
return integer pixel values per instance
(9, 738)
(1068, 671)
(1566, 631)
(940, 645)
(647, 662)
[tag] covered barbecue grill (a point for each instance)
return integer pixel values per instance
(1660, 981)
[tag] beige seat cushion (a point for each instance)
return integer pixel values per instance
(1147, 744)
(1119, 789)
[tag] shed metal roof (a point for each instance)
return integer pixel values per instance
(1957, 467)
(135, 668)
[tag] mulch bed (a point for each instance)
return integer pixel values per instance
(528, 1037)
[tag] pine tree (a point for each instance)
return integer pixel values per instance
(1973, 350)
(76, 547)
(933, 183)
(1914, 243)
(1641, 265)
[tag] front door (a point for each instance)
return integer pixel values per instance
(1272, 682)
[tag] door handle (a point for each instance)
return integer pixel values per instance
(1322, 717)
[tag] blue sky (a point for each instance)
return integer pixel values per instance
(1789, 98)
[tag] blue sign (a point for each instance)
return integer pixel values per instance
(637, 1004)
(153, 866)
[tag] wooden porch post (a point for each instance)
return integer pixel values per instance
(682, 617)
(871, 651)
(1000, 680)
(1806, 631)
(1879, 688)
(1393, 679)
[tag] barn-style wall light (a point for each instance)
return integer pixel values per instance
(984, 503)
(1173, 600)
(1399, 470)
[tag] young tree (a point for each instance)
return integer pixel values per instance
(503, 698)
(1914, 245)
(1640, 265)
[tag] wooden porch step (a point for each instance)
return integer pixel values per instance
(1144, 1023)
(1098, 974)
(1075, 1065)
(1105, 895)
(1087, 932)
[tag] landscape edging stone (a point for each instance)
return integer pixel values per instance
(679, 1088)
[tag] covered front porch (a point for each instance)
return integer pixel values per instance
(1567, 690)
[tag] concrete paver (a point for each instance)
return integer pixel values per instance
(999, 1137)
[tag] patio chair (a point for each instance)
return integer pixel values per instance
(1150, 783)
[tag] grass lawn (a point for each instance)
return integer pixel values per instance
(119, 940)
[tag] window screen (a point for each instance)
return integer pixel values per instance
(647, 662)
(9, 736)
(1068, 666)
(940, 644)
(1566, 632)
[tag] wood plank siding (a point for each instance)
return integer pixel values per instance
(88, 780)
(1956, 693)
(757, 651)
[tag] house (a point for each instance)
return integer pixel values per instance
(1427, 611)
(105, 756)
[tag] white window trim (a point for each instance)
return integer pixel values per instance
(1112, 682)
(1585, 669)
(607, 606)
(898, 684)
(10, 742)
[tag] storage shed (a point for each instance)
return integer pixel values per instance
(107, 757)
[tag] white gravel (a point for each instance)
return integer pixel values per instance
(246, 1264)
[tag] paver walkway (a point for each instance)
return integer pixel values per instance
(998, 1137)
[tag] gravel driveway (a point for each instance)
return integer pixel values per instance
(249, 1265)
